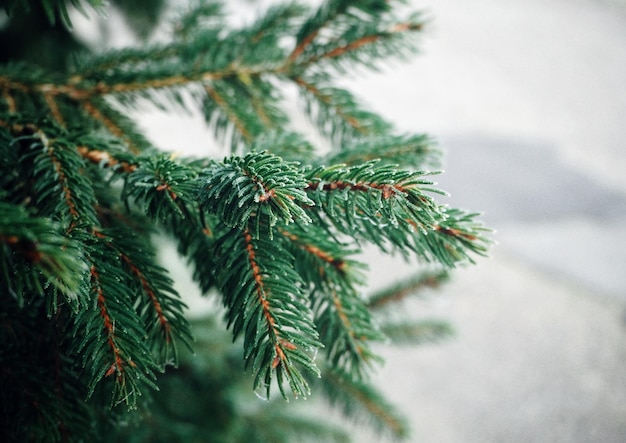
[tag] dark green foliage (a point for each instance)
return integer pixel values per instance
(363, 403)
(266, 304)
(273, 231)
(259, 186)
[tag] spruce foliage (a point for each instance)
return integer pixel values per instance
(90, 322)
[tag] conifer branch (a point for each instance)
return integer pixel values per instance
(337, 113)
(345, 325)
(54, 109)
(252, 187)
(112, 342)
(270, 227)
(363, 403)
(400, 291)
(263, 295)
(417, 332)
(237, 122)
(56, 171)
(380, 194)
(417, 151)
(116, 124)
(327, 13)
(163, 314)
(105, 159)
(290, 146)
(357, 45)
(163, 187)
(118, 365)
(32, 245)
(10, 101)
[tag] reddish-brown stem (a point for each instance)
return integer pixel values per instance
(117, 366)
(262, 296)
(327, 100)
(147, 288)
(455, 233)
(317, 252)
(104, 158)
(109, 124)
(234, 118)
(387, 190)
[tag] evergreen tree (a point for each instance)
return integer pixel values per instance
(91, 327)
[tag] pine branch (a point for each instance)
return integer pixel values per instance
(160, 306)
(162, 187)
(345, 325)
(380, 195)
(417, 151)
(254, 188)
(112, 343)
(290, 146)
(363, 404)
(35, 254)
(266, 304)
(400, 291)
(336, 112)
(417, 332)
(330, 11)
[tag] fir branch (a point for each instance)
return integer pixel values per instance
(9, 101)
(272, 425)
(328, 12)
(59, 189)
(278, 21)
(35, 254)
(247, 103)
(417, 332)
(42, 396)
(364, 42)
(54, 109)
(336, 112)
(263, 295)
(290, 146)
(116, 124)
(363, 404)
(458, 235)
(161, 308)
(204, 15)
(238, 117)
(105, 159)
(417, 151)
(400, 291)
(112, 336)
(379, 194)
(54, 9)
(345, 325)
(253, 187)
(164, 188)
